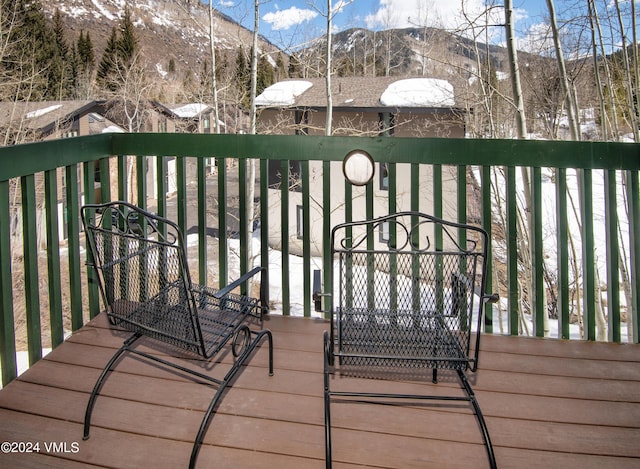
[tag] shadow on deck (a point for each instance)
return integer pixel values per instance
(547, 403)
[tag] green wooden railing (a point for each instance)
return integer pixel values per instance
(430, 175)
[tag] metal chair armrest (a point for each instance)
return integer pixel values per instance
(236, 283)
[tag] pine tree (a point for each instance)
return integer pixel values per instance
(86, 56)
(266, 75)
(243, 76)
(295, 69)
(281, 71)
(127, 42)
(61, 72)
(28, 63)
(108, 65)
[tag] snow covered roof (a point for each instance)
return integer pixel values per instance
(361, 92)
(283, 93)
(418, 92)
(42, 111)
(190, 110)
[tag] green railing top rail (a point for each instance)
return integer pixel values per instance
(22, 160)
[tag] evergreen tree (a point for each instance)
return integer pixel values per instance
(75, 73)
(28, 62)
(127, 41)
(281, 71)
(108, 65)
(243, 75)
(242, 69)
(86, 56)
(295, 68)
(61, 84)
(266, 75)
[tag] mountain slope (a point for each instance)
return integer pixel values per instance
(166, 29)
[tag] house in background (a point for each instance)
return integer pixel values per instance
(362, 106)
(24, 122)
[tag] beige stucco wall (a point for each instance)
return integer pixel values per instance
(360, 123)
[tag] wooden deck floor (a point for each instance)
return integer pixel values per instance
(547, 403)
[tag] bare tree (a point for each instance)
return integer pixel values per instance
(214, 84)
(521, 122)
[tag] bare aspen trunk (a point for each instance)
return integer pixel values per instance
(521, 123)
(254, 68)
(627, 74)
(564, 79)
(251, 177)
(214, 84)
(596, 73)
(595, 19)
(328, 71)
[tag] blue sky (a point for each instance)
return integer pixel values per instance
(291, 23)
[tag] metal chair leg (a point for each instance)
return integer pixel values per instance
(208, 415)
(327, 403)
(480, 418)
(96, 388)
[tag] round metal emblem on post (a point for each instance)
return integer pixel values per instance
(358, 167)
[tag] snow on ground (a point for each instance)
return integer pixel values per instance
(295, 277)
(103, 10)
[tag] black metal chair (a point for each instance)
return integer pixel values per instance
(407, 298)
(141, 266)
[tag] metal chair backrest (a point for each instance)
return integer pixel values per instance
(144, 278)
(409, 291)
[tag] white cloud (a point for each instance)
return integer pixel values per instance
(416, 13)
(227, 4)
(537, 40)
(285, 19)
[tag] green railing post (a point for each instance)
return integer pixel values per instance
(612, 253)
(30, 255)
(223, 271)
(7, 327)
(89, 198)
(243, 208)
(53, 258)
(264, 230)
(73, 228)
(562, 238)
(306, 238)
(487, 224)
(202, 222)
(539, 311)
(284, 217)
(327, 267)
(512, 251)
(633, 203)
(585, 186)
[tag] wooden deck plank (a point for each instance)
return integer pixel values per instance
(547, 403)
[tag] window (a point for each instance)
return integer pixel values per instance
(384, 233)
(299, 222)
(384, 176)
